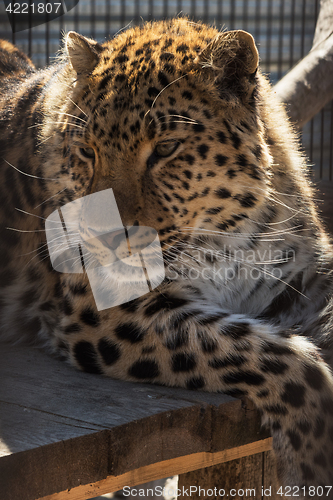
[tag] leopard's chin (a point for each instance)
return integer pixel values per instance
(120, 282)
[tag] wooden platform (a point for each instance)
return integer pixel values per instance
(70, 435)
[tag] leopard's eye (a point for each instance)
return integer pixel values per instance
(88, 153)
(165, 149)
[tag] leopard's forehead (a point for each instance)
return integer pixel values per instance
(176, 37)
(150, 56)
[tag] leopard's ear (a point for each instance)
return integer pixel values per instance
(232, 57)
(83, 52)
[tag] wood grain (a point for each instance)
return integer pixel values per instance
(228, 479)
(255, 475)
(165, 468)
(61, 429)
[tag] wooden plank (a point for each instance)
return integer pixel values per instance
(270, 480)
(23, 423)
(60, 428)
(250, 476)
(181, 465)
(29, 377)
(238, 479)
(253, 476)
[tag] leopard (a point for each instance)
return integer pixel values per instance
(177, 119)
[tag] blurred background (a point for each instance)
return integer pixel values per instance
(283, 30)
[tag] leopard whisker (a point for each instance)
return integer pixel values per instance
(224, 234)
(276, 232)
(77, 106)
(182, 121)
(75, 261)
(45, 140)
(89, 260)
(185, 119)
(230, 255)
(220, 251)
(28, 213)
(187, 255)
(279, 202)
(48, 245)
(40, 217)
(271, 197)
(30, 175)
(48, 199)
(277, 192)
(187, 122)
(38, 254)
(40, 249)
(59, 123)
(268, 273)
(174, 267)
(271, 275)
(258, 188)
(51, 245)
(68, 244)
(25, 230)
(158, 95)
(275, 223)
(122, 29)
(73, 116)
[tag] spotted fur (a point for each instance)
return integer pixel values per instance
(177, 120)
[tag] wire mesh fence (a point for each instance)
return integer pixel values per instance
(283, 30)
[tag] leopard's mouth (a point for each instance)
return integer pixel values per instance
(137, 267)
(124, 244)
(87, 236)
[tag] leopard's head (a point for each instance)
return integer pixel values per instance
(167, 115)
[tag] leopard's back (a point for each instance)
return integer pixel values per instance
(22, 184)
(13, 62)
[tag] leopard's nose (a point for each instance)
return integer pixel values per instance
(110, 239)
